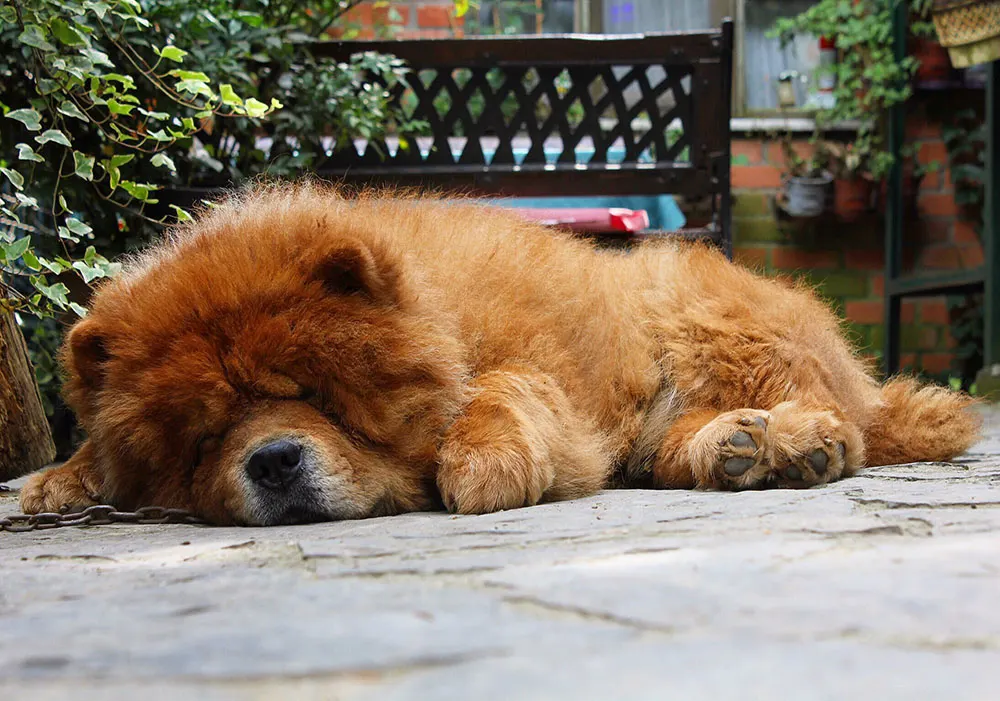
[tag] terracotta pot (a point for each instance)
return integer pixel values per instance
(852, 197)
(935, 65)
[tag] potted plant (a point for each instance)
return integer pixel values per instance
(934, 62)
(869, 80)
(807, 180)
(853, 186)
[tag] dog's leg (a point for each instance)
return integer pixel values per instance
(73, 486)
(517, 442)
(794, 445)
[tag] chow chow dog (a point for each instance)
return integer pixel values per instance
(296, 355)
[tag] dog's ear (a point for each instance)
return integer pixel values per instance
(352, 268)
(86, 353)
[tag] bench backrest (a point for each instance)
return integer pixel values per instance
(559, 116)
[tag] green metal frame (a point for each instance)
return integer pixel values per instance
(986, 277)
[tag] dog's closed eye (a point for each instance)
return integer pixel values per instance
(206, 446)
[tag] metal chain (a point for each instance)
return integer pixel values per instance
(97, 515)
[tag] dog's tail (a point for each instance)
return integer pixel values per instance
(918, 423)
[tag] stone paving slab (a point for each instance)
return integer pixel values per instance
(884, 586)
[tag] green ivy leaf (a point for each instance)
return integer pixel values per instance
(87, 272)
(83, 165)
(66, 33)
(57, 293)
(255, 108)
(31, 261)
(16, 179)
(65, 233)
(78, 227)
(26, 153)
(25, 201)
(53, 135)
(71, 110)
(461, 7)
(195, 87)
(163, 160)
(13, 251)
(34, 36)
(137, 190)
(229, 96)
(28, 117)
(53, 266)
(118, 161)
(189, 75)
(116, 107)
(181, 214)
(78, 310)
(171, 53)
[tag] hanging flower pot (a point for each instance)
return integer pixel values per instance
(969, 29)
(935, 64)
(852, 197)
(806, 195)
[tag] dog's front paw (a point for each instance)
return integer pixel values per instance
(487, 463)
(63, 489)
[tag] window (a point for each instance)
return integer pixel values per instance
(760, 60)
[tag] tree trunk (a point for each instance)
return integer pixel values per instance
(25, 438)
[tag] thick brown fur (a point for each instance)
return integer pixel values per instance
(425, 352)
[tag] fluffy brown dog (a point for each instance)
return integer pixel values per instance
(297, 356)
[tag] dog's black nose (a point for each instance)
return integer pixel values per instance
(275, 465)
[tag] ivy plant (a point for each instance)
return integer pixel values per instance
(72, 114)
(869, 79)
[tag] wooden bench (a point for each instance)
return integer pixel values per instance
(573, 115)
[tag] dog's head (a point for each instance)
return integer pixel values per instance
(271, 363)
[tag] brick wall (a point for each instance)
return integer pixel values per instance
(846, 260)
(401, 19)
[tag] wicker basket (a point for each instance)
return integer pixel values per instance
(969, 29)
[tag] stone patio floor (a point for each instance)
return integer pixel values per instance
(884, 586)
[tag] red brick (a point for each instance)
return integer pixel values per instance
(907, 361)
(933, 230)
(776, 152)
(938, 205)
(380, 15)
(756, 177)
(932, 181)
(907, 311)
(934, 311)
(866, 312)
(936, 362)
(965, 232)
(438, 17)
(948, 341)
(751, 256)
(917, 127)
(871, 259)
(941, 258)
(359, 14)
(798, 259)
(971, 256)
(878, 285)
(752, 151)
(928, 338)
(932, 151)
